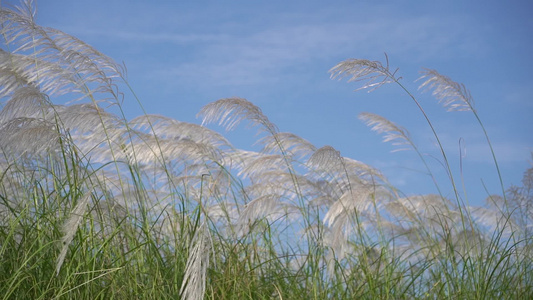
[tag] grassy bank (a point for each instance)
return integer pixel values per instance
(97, 206)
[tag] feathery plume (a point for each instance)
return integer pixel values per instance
(57, 59)
(168, 128)
(29, 137)
(261, 207)
(71, 226)
(494, 219)
(353, 203)
(290, 143)
(398, 135)
(26, 102)
(455, 96)
(362, 170)
(326, 158)
(262, 164)
(87, 118)
(373, 72)
(51, 78)
(229, 112)
(10, 77)
(327, 162)
(194, 281)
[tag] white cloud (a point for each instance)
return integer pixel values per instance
(234, 48)
(274, 53)
(468, 140)
(153, 37)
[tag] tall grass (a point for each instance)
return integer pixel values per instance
(95, 206)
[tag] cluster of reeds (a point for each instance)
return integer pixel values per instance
(93, 205)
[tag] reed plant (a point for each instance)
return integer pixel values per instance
(96, 206)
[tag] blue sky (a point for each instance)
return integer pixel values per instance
(181, 55)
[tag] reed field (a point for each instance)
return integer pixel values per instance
(97, 206)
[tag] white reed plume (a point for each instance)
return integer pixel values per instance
(194, 281)
(26, 102)
(167, 128)
(349, 203)
(399, 136)
(59, 63)
(372, 72)
(340, 173)
(71, 226)
(431, 209)
(455, 96)
(326, 158)
(267, 206)
(17, 70)
(10, 78)
(229, 112)
(28, 137)
(85, 120)
(292, 144)
(262, 164)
